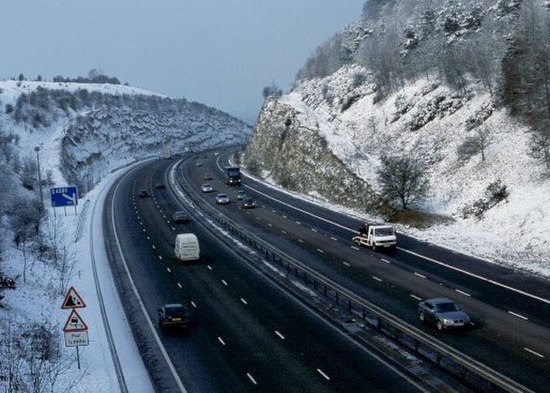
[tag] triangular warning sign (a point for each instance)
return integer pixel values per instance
(73, 300)
(75, 323)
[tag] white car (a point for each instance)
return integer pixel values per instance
(206, 188)
(222, 199)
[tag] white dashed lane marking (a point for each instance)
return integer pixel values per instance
(540, 355)
(323, 374)
(518, 315)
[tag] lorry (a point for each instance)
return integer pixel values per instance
(376, 236)
(233, 176)
(187, 247)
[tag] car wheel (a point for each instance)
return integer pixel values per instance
(439, 325)
(422, 316)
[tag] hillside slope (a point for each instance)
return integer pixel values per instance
(86, 130)
(343, 118)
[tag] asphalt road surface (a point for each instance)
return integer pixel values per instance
(247, 334)
(510, 309)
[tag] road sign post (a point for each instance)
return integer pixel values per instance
(75, 329)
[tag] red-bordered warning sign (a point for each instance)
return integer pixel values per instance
(73, 300)
(75, 323)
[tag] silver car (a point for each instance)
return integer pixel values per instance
(222, 199)
(443, 312)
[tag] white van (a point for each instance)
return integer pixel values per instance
(187, 247)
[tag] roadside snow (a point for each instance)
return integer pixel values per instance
(39, 299)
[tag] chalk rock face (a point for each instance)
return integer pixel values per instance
(287, 148)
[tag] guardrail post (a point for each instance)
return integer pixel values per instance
(349, 306)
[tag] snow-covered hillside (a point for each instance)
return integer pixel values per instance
(429, 120)
(85, 130)
(82, 133)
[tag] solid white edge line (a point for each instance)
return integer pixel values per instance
(171, 367)
(463, 293)
(419, 275)
(547, 301)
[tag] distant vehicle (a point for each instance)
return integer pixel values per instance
(173, 315)
(180, 216)
(249, 203)
(376, 236)
(222, 199)
(160, 186)
(143, 194)
(167, 154)
(206, 187)
(240, 194)
(233, 176)
(187, 247)
(443, 312)
(207, 176)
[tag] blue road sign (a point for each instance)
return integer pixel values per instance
(64, 196)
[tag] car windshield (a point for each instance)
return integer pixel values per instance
(384, 232)
(222, 196)
(206, 185)
(176, 311)
(447, 307)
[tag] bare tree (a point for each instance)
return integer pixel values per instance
(540, 143)
(403, 179)
(476, 144)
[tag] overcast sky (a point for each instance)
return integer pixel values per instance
(218, 52)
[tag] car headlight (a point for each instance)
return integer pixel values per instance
(447, 321)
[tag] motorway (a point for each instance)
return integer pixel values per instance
(247, 334)
(510, 309)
